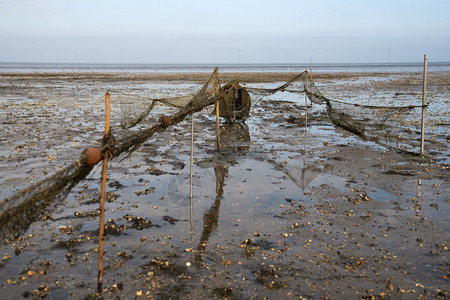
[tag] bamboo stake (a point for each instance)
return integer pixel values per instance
(217, 119)
(422, 143)
(310, 74)
(234, 104)
(102, 198)
(191, 182)
(306, 104)
(306, 111)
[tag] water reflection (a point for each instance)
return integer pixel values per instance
(235, 137)
(235, 141)
(235, 146)
(308, 175)
(211, 216)
(300, 176)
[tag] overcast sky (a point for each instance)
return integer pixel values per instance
(230, 31)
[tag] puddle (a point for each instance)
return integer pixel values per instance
(382, 195)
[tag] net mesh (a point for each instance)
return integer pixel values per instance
(133, 109)
(19, 211)
(204, 97)
(385, 125)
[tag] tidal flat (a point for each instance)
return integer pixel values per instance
(281, 211)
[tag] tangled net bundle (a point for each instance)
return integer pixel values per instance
(381, 124)
(30, 204)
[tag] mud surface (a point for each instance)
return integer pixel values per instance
(280, 212)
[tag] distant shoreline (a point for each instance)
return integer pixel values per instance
(227, 64)
(10, 67)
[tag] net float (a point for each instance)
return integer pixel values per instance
(166, 121)
(93, 155)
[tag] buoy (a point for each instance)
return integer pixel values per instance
(93, 155)
(166, 121)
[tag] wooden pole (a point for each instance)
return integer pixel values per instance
(191, 183)
(422, 143)
(310, 75)
(234, 103)
(306, 97)
(306, 111)
(102, 199)
(217, 119)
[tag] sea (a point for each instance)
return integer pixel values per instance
(7, 67)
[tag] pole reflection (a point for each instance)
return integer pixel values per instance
(235, 140)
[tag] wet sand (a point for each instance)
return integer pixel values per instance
(280, 212)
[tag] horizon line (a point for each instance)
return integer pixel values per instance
(227, 64)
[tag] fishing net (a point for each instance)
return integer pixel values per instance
(385, 125)
(204, 97)
(133, 109)
(19, 211)
(234, 102)
(31, 204)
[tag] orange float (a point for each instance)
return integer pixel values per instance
(93, 155)
(166, 121)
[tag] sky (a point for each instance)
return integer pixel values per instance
(221, 32)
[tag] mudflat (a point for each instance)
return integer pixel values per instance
(282, 211)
